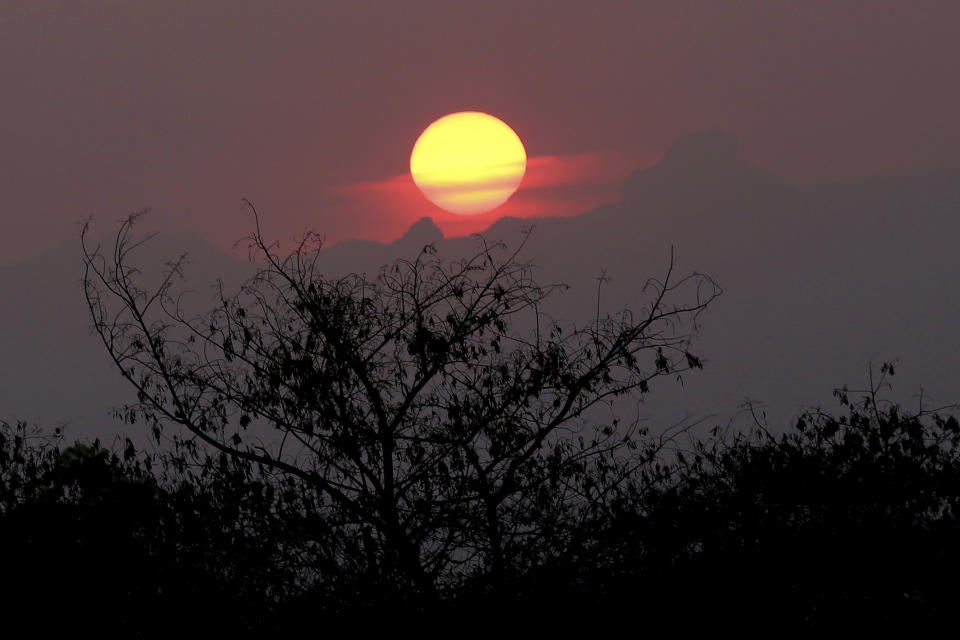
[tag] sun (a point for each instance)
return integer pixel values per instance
(468, 162)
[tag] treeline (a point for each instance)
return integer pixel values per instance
(846, 520)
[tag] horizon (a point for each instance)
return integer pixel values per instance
(311, 112)
(453, 226)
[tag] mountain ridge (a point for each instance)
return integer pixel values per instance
(817, 280)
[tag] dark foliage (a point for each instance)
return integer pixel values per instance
(422, 448)
(130, 543)
(843, 522)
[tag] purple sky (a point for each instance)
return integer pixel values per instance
(310, 108)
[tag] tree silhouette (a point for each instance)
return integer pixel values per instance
(440, 420)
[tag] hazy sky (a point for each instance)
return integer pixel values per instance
(311, 108)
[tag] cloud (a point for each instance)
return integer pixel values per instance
(557, 185)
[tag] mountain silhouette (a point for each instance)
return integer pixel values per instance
(422, 232)
(816, 281)
(703, 162)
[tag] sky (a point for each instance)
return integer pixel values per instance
(310, 109)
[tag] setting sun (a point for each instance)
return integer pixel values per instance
(468, 162)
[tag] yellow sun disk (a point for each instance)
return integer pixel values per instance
(468, 162)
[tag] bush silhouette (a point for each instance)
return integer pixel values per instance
(843, 521)
(123, 543)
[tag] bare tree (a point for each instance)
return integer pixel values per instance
(444, 420)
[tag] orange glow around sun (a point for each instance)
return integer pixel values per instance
(468, 162)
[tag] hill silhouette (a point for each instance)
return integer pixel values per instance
(817, 281)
